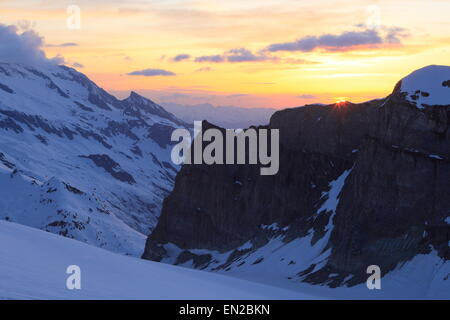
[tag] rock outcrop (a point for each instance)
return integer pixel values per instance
(219, 207)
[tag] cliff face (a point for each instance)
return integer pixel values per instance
(359, 184)
(220, 207)
(396, 201)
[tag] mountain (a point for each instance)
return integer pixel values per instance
(78, 162)
(358, 185)
(224, 116)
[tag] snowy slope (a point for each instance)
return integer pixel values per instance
(76, 161)
(33, 266)
(426, 276)
(278, 262)
(428, 86)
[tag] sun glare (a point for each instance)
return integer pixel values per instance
(341, 101)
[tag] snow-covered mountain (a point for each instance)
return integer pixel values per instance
(78, 162)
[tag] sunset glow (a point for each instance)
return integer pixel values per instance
(274, 53)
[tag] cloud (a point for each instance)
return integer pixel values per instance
(151, 73)
(130, 11)
(395, 34)
(343, 41)
(63, 45)
(299, 61)
(24, 48)
(26, 25)
(214, 58)
(77, 65)
(181, 57)
(243, 55)
(235, 55)
(306, 96)
(205, 69)
(237, 95)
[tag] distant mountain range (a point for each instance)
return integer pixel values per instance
(223, 116)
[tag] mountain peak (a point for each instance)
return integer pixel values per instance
(134, 94)
(137, 98)
(429, 86)
(137, 103)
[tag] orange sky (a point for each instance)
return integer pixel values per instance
(120, 37)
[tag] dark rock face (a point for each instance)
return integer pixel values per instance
(6, 88)
(6, 162)
(393, 206)
(396, 200)
(111, 166)
(160, 134)
(219, 207)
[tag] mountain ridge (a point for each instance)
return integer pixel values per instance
(95, 168)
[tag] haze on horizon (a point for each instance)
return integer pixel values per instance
(272, 53)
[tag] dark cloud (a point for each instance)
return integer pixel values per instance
(214, 58)
(235, 55)
(395, 34)
(306, 96)
(345, 40)
(244, 55)
(181, 57)
(24, 48)
(63, 45)
(151, 73)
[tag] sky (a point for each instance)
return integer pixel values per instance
(253, 53)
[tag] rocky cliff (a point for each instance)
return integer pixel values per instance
(359, 184)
